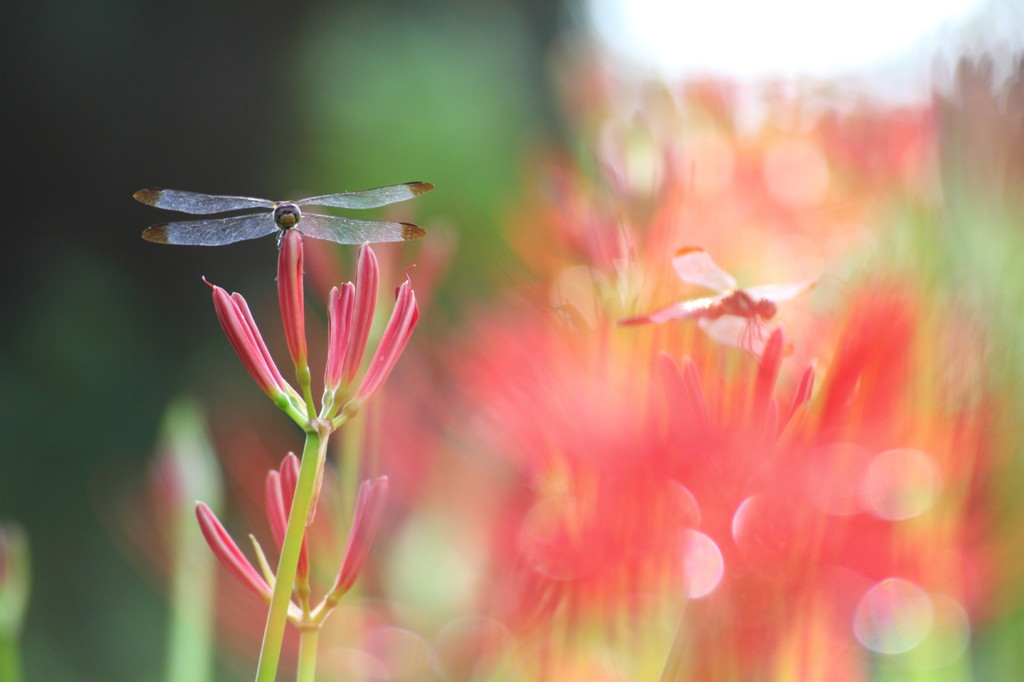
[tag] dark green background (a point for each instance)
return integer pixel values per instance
(100, 330)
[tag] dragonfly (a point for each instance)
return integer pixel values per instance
(279, 216)
(733, 316)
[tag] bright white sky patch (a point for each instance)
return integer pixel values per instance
(749, 38)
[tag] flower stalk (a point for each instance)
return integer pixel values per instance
(308, 642)
(292, 492)
(294, 486)
(291, 547)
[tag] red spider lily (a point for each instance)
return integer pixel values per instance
(245, 338)
(392, 343)
(591, 523)
(351, 315)
(339, 322)
(229, 554)
(809, 530)
(366, 519)
(773, 505)
(280, 486)
(280, 489)
(350, 312)
(366, 282)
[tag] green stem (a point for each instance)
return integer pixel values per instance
(307, 654)
(305, 382)
(273, 635)
(291, 403)
(10, 661)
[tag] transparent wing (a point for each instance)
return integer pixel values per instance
(687, 310)
(213, 232)
(745, 333)
(695, 266)
(194, 202)
(351, 231)
(370, 198)
(778, 292)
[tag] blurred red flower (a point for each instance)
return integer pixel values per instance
(724, 479)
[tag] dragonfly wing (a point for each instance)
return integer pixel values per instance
(351, 231)
(695, 266)
(741, 332)
(370, 198)
(194, 202)
(778, 292)
(212, 232)
(687, 310)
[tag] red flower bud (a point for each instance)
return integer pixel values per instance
(245, 338)
(290, 296)
(339, 326)
(392, 343)
(225, 549)
(368, 514)
(367, 277)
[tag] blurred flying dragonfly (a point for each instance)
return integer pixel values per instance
(736, 317)
(278, 216)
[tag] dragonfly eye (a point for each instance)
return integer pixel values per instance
(287, 216)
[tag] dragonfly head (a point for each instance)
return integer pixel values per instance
(287, 216)
(766, 308)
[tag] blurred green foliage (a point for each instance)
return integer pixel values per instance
(102, 330)
(422, 95)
